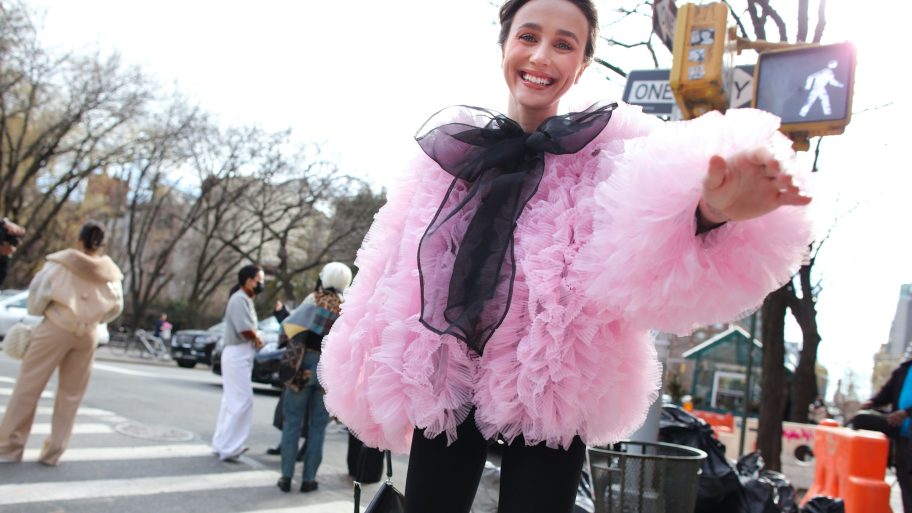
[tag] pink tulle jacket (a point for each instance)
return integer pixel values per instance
(605, 251)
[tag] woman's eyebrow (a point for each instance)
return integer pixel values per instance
(561, 32)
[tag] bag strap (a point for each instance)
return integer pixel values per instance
(388, 456)
(389, 465)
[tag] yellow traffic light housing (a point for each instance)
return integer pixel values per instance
(809, 87)
(699, 48)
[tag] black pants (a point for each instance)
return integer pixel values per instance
(533, 479)
(902, 461)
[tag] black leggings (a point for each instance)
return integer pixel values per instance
(533, 479)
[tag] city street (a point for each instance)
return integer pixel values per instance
(141, 444)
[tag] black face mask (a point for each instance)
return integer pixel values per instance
(258, 287)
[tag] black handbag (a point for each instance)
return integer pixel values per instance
(365, 464)
(387, 499)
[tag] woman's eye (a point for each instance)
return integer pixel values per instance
(563, 46)
(528, 38)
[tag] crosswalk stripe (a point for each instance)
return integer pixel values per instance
(80, 428)
(323, 507)
(90, 412)
(129, 453)
(4, 379)
(109, 488)
(44, 395)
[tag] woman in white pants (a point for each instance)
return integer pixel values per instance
(240, 344)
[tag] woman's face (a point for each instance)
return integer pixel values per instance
(543, 55)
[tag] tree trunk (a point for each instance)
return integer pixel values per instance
(804, 385)
(772, 381)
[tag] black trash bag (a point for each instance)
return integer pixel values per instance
(765, 491)
(823, 504)
(719, 489)
(759, 496)
(749, 465)
(784, 489)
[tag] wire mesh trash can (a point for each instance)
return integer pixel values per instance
(645, 477)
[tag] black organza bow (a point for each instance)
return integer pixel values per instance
(502, 167)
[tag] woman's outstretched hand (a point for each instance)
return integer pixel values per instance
(747, 185)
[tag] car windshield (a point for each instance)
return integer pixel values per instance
(220, 327)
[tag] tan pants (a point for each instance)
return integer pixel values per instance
(51, 348)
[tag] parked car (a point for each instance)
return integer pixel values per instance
(190, 347)
(266, 361)
(13, 309)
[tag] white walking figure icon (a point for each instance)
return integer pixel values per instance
(817, 85)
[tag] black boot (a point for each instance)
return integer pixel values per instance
(308, 486)
(284, 484)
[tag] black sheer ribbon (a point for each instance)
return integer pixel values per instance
(502, 167)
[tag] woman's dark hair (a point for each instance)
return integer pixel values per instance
(508, 12)
(246, 272)
(91, 235)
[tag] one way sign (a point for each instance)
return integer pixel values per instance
(650, 89)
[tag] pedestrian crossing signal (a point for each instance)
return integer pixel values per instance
(809, 88)
(699, 47)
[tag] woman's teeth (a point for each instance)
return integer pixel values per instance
(537, 80)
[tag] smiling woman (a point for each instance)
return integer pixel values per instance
(546, 246)
(542, 62)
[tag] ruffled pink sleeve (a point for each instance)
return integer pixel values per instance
(346, 361)
(645, 262)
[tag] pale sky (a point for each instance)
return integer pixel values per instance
(362, 76)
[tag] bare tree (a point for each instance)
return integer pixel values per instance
(224, 158)
(161, 209)
(772, 378)
(349, 218)
(288, 208)
(62, 119)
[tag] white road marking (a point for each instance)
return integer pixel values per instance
(44, 395)
(191, 377)
(129, 453)
(325, 507)
(121, 370)
(81, 428)
(109, 488)
(4, 379)
(91, 412)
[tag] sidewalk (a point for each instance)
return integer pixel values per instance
(895, 494)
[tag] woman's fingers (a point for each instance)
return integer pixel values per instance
(715, 175)
(793, 198)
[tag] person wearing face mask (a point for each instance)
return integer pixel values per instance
(241, 342)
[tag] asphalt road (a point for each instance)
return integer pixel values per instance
(141, 445)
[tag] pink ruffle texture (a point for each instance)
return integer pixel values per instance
(605, 249)
(643, 259)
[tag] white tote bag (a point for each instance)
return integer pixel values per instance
(16, 342)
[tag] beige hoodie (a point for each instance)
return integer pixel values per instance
(77, 291)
